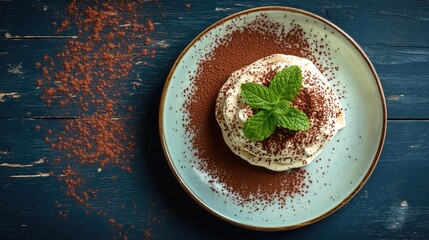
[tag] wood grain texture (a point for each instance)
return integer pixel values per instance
(392, 205)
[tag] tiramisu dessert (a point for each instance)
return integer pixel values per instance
(282, 148)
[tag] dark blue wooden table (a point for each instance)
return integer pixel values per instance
(148, 202)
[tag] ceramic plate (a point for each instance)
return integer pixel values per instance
(356, 151)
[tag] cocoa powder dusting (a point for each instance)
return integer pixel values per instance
(245, 182)
(89, 75)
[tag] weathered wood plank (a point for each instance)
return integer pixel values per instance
(366, 21)
(389, 206)
(18, 74)
(27, 17)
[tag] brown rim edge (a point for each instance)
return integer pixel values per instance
(198, 200)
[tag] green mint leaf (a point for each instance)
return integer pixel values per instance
(259, 126)
(258, 96)
(287, 83)
(274, 103)
(291, 118)
(281, 105)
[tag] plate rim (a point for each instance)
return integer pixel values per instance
(192, 43)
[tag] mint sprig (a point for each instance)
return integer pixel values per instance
(274, 105)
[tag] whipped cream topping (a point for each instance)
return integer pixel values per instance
(284, 149)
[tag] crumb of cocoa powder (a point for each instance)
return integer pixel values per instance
(150, 25)
(39, 82)
(148, 234)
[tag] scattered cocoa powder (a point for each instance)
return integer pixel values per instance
(89, 74)
(245, 182)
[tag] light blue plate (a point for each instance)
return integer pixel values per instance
(352, 161)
